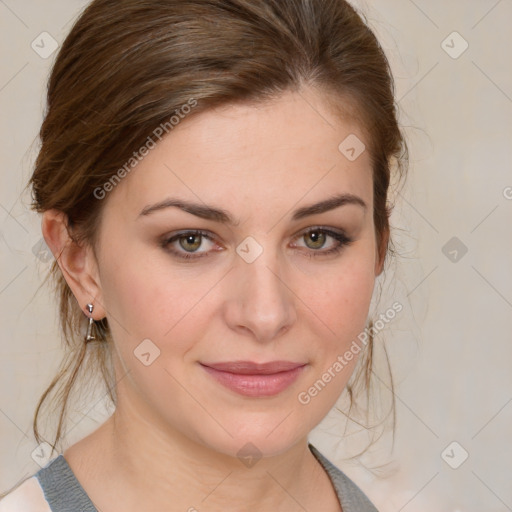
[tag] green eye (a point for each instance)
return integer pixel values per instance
(190, 242)
(186, 245)
(318, 239)
(315, 238)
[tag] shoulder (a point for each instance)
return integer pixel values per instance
(351, 497)
(27, 497)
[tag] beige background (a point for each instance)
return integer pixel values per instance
(451, 346)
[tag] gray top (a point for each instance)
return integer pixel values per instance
(64, 493)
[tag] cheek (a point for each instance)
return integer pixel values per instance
(147, 298)
(340, 309)
(341, 304)
(343, 296)
(150, 302)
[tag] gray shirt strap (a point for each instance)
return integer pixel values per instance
(64, 493)
(351, 497)
(62, 490)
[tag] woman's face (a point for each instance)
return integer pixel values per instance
(262, 283)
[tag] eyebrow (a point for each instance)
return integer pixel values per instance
(220, 215)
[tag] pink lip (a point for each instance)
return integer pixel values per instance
(253, 379)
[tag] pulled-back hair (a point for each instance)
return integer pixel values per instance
(128, 66)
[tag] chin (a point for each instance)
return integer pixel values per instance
(253, 441)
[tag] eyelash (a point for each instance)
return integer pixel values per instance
(342, 239)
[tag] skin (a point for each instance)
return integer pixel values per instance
(174, 424)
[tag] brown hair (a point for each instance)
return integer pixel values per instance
(126, 67)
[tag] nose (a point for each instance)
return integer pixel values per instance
(261, 301)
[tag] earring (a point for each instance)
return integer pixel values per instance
(89, 335)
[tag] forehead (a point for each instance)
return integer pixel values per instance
(273, 153)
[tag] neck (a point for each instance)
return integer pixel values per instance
(190, 475)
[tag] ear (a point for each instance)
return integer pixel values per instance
(77, 262)
(381, 251)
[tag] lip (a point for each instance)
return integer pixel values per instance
(255, 379)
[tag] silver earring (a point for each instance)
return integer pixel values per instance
(89, 335)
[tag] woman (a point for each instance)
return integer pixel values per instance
(213, 182)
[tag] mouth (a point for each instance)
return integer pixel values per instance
(255, 379)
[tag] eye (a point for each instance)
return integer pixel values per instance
(316, 237)
(186, 244)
